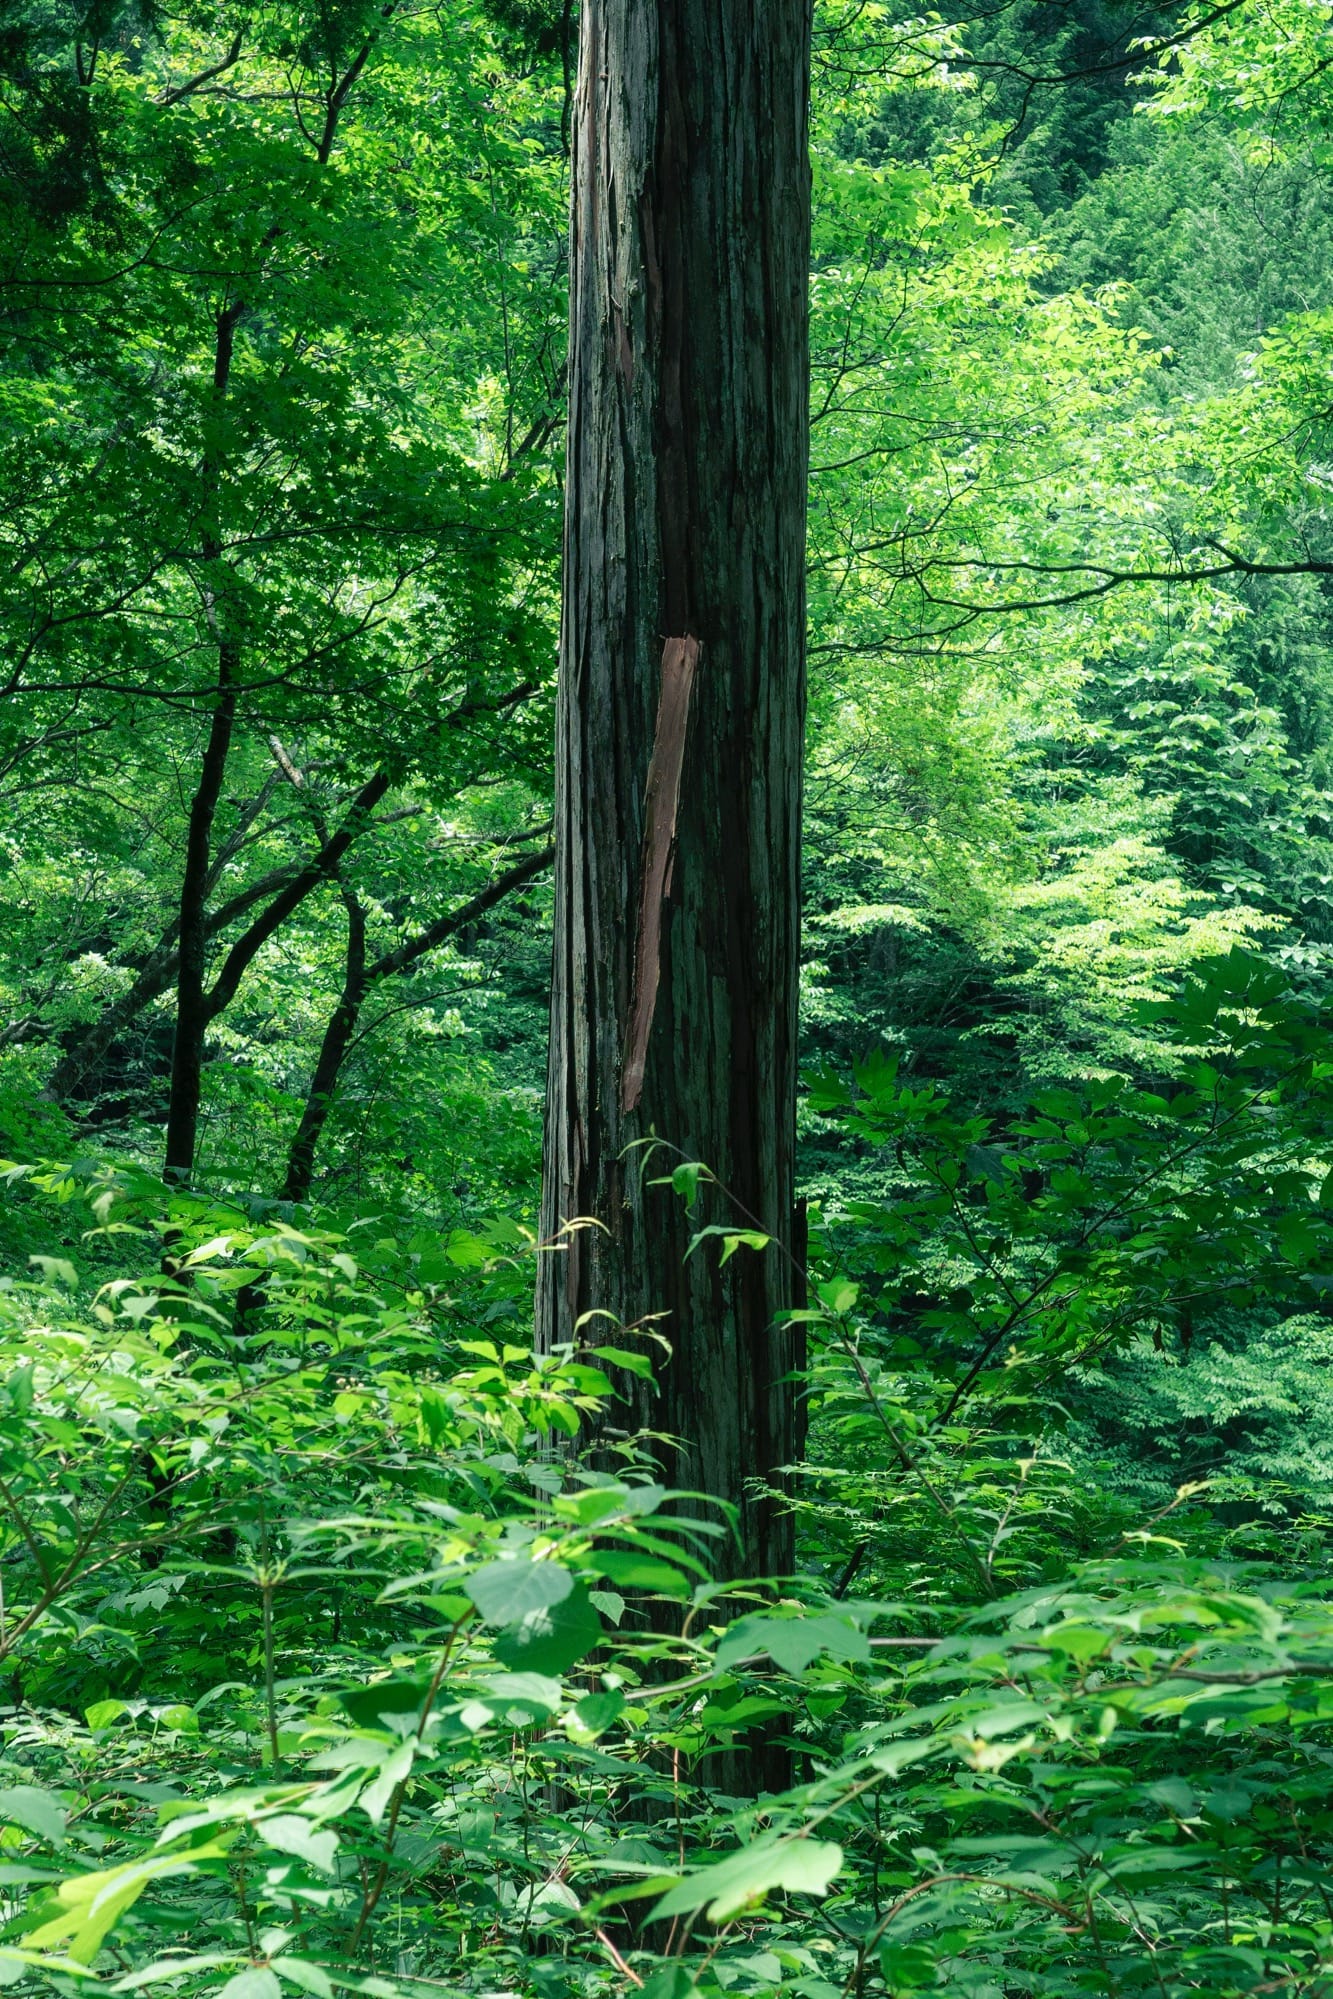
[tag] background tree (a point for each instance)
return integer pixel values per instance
(277, 545)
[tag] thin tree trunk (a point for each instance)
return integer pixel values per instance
(680, 722)
(187, 1055)
(288, 887)
(333, 1049)
(192, 1005)
(204, 1005)
(155, 971)
(357, 982)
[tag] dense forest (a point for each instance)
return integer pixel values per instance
(666, 887)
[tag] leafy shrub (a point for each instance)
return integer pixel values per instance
(338, 1661)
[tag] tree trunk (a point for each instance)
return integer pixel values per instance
(192, 1014)
(681, 719)
(332, 1053)
(187, 1055)
(359, 978)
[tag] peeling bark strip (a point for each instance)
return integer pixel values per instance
(661, 802)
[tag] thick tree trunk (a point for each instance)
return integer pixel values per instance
(680, 719)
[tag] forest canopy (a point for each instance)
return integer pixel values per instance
(870, 629)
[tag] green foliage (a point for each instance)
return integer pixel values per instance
(323, 1678)
(999, 1284)
(334, 1659)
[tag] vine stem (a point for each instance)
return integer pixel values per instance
(375, 1888)
(616, 1958)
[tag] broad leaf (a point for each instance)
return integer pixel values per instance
(800, 1866)
(506, 1592)
(553, 1639)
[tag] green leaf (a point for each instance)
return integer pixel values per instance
(1003, 1717)
(792, 1642)
(907, 1967)
(93, 1903)
(534, 1691)
(732, 1240)
(57, 1270)
(255, 1982)
(1080, 1641)
(633, 1363)
(395, 1770)
(594, 1714)
(552, 1639)
(743, 1239)
(641, 1572)
(290, 1833)
(800, 1866)
(384, 1700)
(1228, 1801)
(36, 1811)
(508, 1591)
(308, 1977)
(171, 1967)
(473, 1830)
(669, 1981)
(467, 1251)
(1176, 1795)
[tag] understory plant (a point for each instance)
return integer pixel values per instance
(337, 1661)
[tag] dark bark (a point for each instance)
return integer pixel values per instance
(191, 959)
(194, 1009)
(287, 887)
(322, 868)
(193, 1020)
(154, 972)
(680, 718)
(192, 928)
(406, 954)
(187, 1054)
(333, 1050)
(358, 980)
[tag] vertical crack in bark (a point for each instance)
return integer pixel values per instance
(680, 658)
